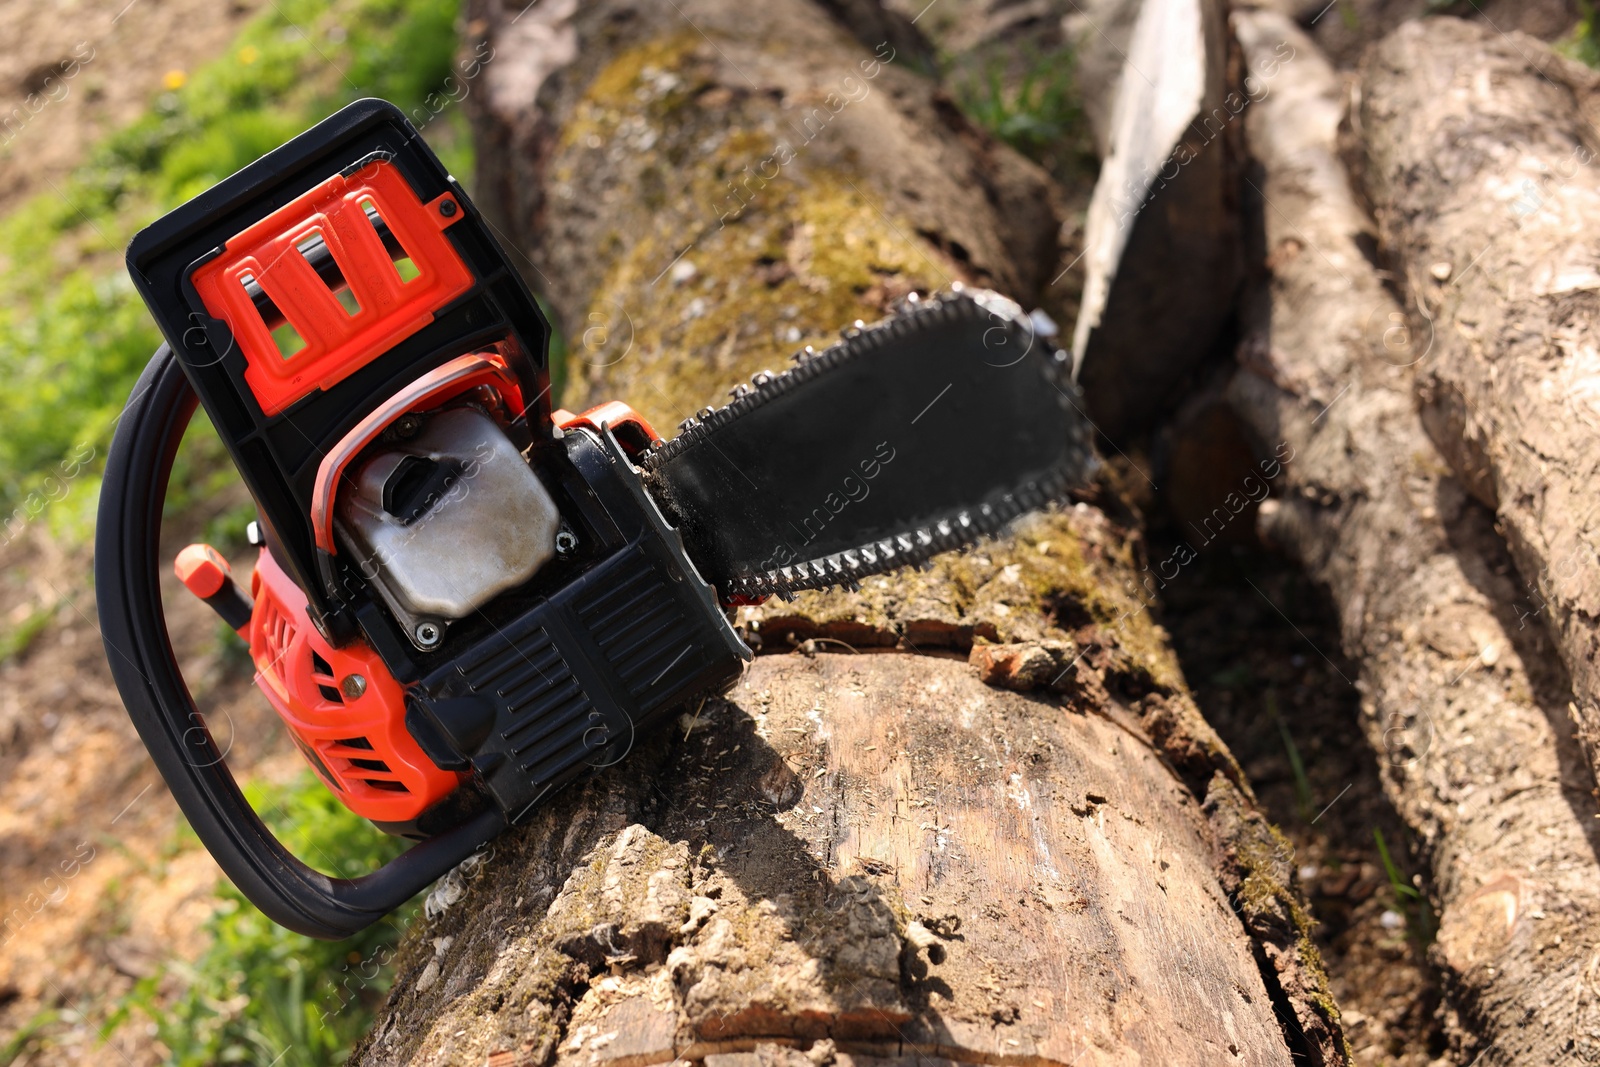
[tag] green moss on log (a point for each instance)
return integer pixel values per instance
(759, 249)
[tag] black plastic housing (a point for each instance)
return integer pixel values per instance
(278, 455)
(546, 683)
(566, 684)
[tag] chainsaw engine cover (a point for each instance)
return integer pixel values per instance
(444, 521)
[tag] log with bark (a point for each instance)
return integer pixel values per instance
(1467, 709)
(1347, 30)
(864, 852)
(1481, 152)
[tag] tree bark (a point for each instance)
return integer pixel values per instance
(1481, 162)
(851, 857)
(1466, 709)
(1346, 32)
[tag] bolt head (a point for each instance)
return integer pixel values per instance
(353, 685)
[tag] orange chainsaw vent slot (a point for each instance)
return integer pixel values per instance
(313, 248)
(405, 268)
(333, 280)
(344, 710)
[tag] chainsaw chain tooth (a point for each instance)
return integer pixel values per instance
(913, 548)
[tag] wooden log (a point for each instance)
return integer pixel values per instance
(1347, 30)
(1481, 160)
(1466, 710)
(1161, 240)
(853, 856)
(1099, 31)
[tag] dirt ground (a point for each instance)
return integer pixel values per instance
(1264, 663)
(75, 70)
(99, 886)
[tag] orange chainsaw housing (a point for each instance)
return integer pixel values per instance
(344, 710)
(337, 340)
(353, 733)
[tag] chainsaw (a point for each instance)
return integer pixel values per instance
(464, 598)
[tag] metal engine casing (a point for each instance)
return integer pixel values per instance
(487, 526)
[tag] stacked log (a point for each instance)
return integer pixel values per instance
(1467, 709)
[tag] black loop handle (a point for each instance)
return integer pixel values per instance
(133, 626)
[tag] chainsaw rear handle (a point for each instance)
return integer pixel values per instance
(139, 648)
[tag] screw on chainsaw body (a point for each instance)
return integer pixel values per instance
(353, 685)
(566, 541)
(428, 634)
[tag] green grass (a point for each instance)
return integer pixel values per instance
(260, 994)
(1583, 43)
(15, 639)
(73, 334)
(1035, 109)
(1408, 899)
(28, 1035)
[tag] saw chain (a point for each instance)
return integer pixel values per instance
(979, 413)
